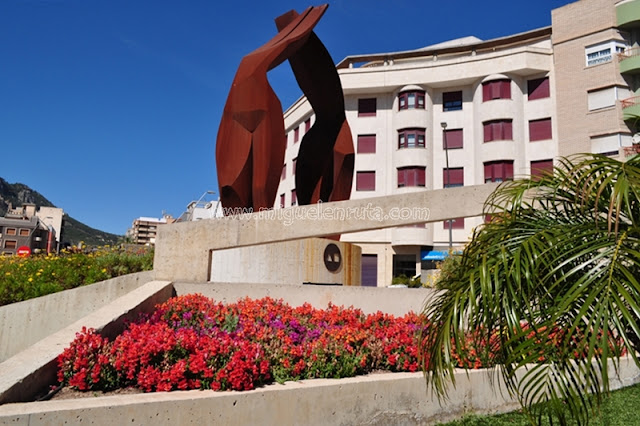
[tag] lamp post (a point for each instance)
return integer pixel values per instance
(446, 156)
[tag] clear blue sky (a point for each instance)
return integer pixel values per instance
(110, 108)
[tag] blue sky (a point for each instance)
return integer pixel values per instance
(110, 108)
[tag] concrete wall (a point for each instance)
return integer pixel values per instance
(395, 301)
(25, 323)
(294, 262)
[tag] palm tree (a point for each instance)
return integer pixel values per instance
(553, 280)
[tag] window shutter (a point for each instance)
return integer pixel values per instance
(540, 129)
(401, 178)
(488, 132)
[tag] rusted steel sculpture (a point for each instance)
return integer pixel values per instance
(250, 145)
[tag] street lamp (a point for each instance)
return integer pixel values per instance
(446, 155)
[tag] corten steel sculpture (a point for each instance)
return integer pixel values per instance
(250, 146)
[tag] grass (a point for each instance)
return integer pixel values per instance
(27, 278)
(620, 409)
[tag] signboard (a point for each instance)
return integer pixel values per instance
(24, 251)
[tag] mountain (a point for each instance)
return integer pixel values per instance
(73, 231)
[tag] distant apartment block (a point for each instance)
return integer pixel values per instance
(490, 110)
(144, 229)
(38, 230)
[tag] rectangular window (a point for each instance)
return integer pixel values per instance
(281, 201)
(411, 100)
(538, 88)
(603, 52)
(369, 270)
(366, 144)
(24, 232)
(365, 181)
(284, 172)
(411, 176)
(10, 231)
(453, 176)
(404, 264)
(10, 244)
(540, 130)
(307, 125)
(296, 134)
(540, 168)
(294, 199)
(411, 138)
(496, 89)
(606, 97)
(498, 130)
(367, 107)
(452, 101)
(498, 171)
(294, 164)
(452, 139)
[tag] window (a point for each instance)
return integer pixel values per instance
(603, 52)
(365, 181)
(24, 232)
(294, 199)
(10, 244)
(498, 130)
(456, 174)
(411, 100)
(540, 168)
(282, 201)
(10, 231)
(294, 164)
(452, 101)
(367, 107)
(539, 130)
(404, 264)
(538, 88)
(369, 270)
(366, 144)
(284, 172)
(296, 134)
(411, 176)
(606, 97)
(452, 139)
(411, 138)
(496, 89)
(307, 125)
(498, 171)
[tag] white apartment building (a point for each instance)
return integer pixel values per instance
(488, 109)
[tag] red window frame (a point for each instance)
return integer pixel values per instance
(366, 181)
(452, 101)
(281, 200)
(294, 164)
(411, 99)
(540, 168)
(496, 89)
(307, 124)
(498, 171)
(411, 176)
(540, 130)
(452, 139)
(498, 130)
(456, 174)
(284, 172)
(538, 88)
(366, 144)
(294, 198)
(296, 134)
(418, 135)
(367, 107)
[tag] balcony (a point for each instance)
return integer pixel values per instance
(630, 108)
(631, 150)
(630, 61)
(628, 14)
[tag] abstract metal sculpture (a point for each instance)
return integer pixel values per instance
(250, 145)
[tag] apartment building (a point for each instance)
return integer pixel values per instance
(37, 230)
(468, 111)
(143, 231)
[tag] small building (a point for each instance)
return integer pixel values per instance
(23, 227)
(144, 229)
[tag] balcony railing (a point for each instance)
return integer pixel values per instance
(628, 53)
(629, 102)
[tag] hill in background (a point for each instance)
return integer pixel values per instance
(74, 231)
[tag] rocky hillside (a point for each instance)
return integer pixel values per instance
(73, 231)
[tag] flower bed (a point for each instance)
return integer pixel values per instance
(192, 342)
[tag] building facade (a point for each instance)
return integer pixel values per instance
(143, 231)
(38, 230)
(468, 111)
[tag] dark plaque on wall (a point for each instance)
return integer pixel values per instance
(332, 257)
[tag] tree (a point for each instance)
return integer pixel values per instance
(553, 280)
